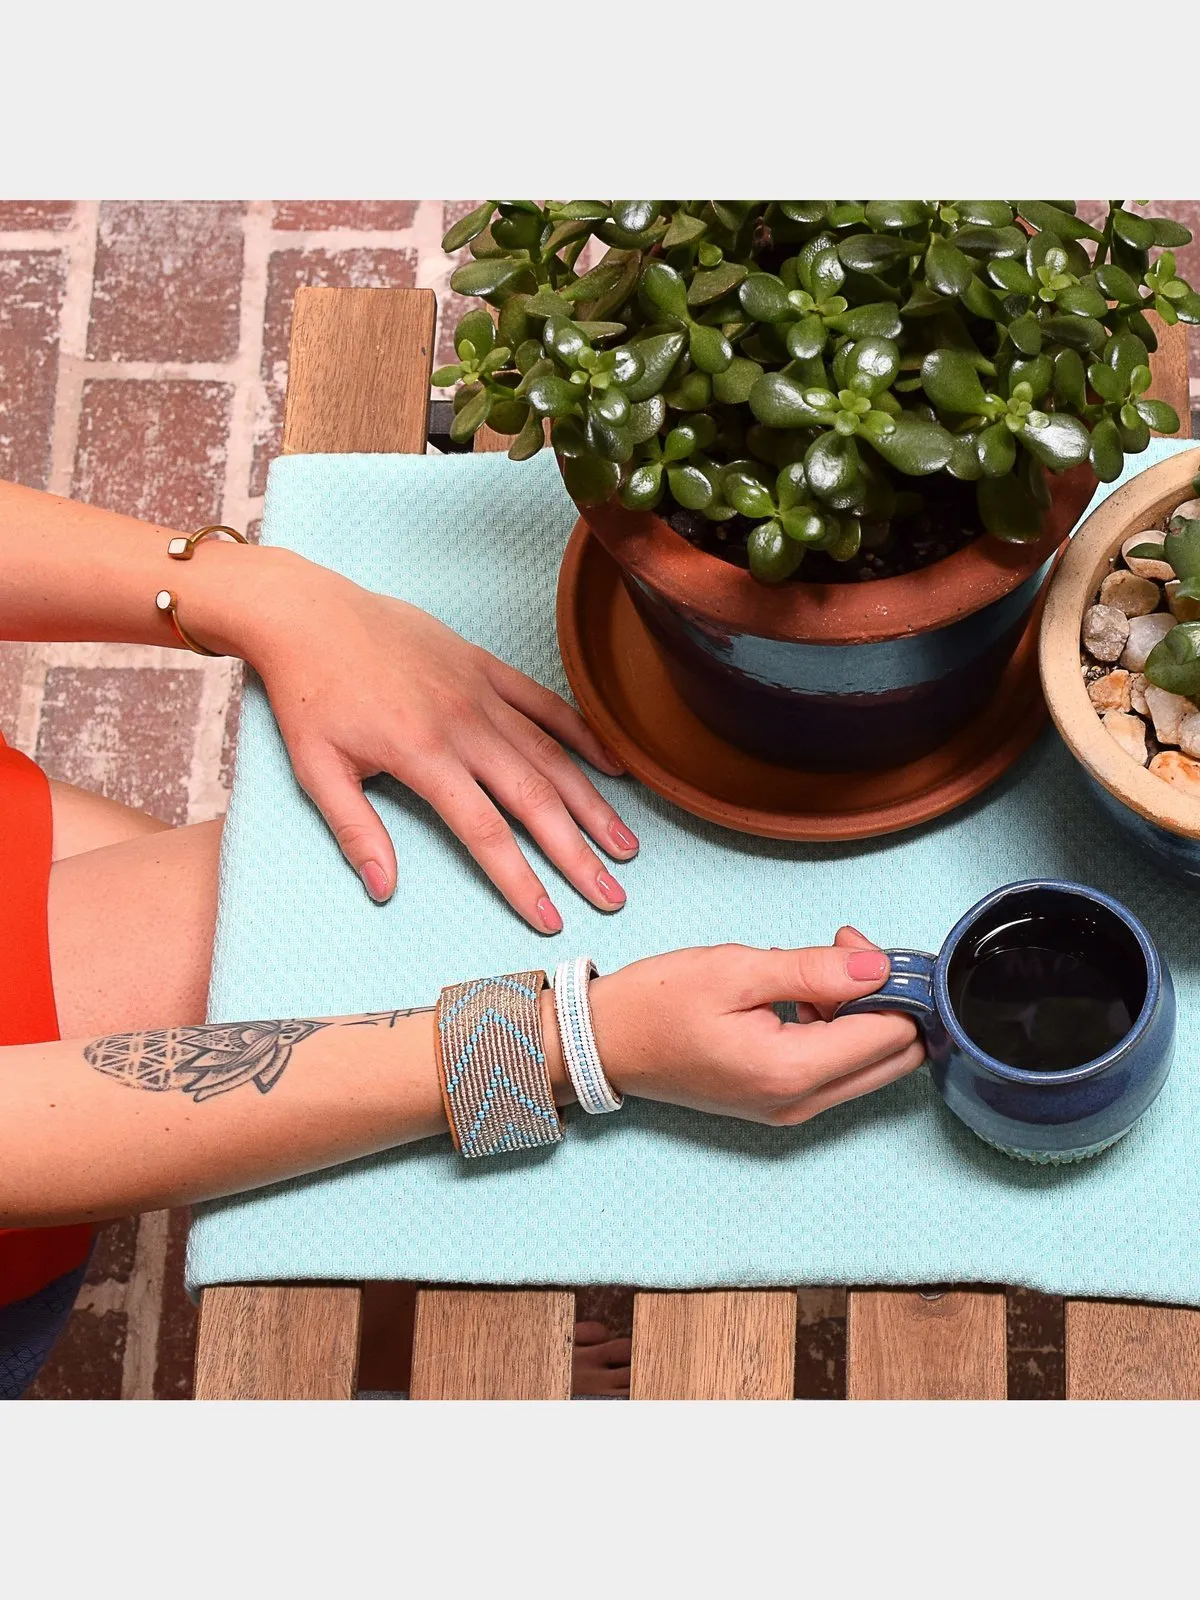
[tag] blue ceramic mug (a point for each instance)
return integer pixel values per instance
(1032, 1098)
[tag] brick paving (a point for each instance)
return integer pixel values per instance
(143, 355)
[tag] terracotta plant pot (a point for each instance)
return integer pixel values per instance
(846, 676)
(1163, 820)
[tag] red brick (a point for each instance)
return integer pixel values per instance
(288, 271)
(31, 293)
(86, 1362)
(125, 732)
(168, 281)
(320, 214)
(17, 216)
(177, 1328)
(154, 449)
(12, 671)
(115, 1248)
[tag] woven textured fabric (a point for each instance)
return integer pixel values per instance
(888, 1189)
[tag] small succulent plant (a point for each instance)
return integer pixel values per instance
(793, 367)
(1174, 663)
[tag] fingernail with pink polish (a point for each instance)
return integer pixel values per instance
(375, 879)
(548, 912)
(610, 889)
(867, 966)
(621, 836)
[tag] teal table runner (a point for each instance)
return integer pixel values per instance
(888, 1189)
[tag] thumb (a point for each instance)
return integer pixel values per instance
(356, 825)
(823, 976)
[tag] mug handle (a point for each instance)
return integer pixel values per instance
(909, 988)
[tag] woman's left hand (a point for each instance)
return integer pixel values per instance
(362, 684)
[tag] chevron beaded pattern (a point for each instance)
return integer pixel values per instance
(495, 1085)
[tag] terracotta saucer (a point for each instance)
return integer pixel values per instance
(622, 689)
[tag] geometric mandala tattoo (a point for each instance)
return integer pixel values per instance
(214, 1058)
(201, 1061)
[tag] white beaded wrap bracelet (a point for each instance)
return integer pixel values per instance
(580, 1056)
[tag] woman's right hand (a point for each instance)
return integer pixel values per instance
(696, 1028)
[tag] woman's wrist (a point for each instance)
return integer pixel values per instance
(617, 1030)
(243, 600)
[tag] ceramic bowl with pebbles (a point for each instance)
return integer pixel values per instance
(1118, 669)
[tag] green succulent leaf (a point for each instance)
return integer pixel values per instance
(646, 418)
(659, 355)
(684, 229)
(871, 365)
(876, 320)
(747, 495)
(489, 277)
(690, 487)
(665, 289)
(1116, 283)
(1081, 333)
(1011, 275)
(1168, 232)
(1069, 387)
(1025, 332)
(1174, 663)
(1057, 442)
(445, 376)
(709, 349)
(1037, 372)
(1134, 230)
(472, 417)
(997, 450)
(733, 387)
(778, 401)
(833, 469)
(772, 555)
(895, 213)
(589, 479)
(529, 440)
(1008, 510)
(1182, 549)
(874, 252)
(946, 268)
(914, 445)
(950, 380)
(764, 298)
(1107, 454)
(1157, 414)
(1106, 382)
(642, 489)
(706, 287)
(991, 213)
(1049, 218)
(552, 397)
(468, 227)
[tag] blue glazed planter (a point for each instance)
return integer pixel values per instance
(1160, 820)
(835, 676)
(1046, 1117)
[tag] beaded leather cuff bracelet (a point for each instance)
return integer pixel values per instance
(495, 1086)
(580, 1055)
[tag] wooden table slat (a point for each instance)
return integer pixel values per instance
(277, 1342)
(901, 1345)
(714, 1345)
(493, 1344)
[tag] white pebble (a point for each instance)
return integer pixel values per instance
(1129, 732)
(1189, 734)
(1136, 597)
(1138, 683)
(1105, 632)
(1144, 634)
(1143, 565)
(1187, 512)
(1168, 711)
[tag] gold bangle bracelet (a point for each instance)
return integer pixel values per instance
(181, 549)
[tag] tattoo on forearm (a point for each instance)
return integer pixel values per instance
(206, 1061)
(389, 1019)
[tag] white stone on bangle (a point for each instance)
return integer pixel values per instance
(578, 1039)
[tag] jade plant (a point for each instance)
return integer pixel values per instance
(790, 371)
(1174, 663)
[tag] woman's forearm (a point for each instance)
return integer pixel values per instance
(98, 1128)
(74, 572)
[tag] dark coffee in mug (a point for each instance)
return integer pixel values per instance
(1047, 992)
